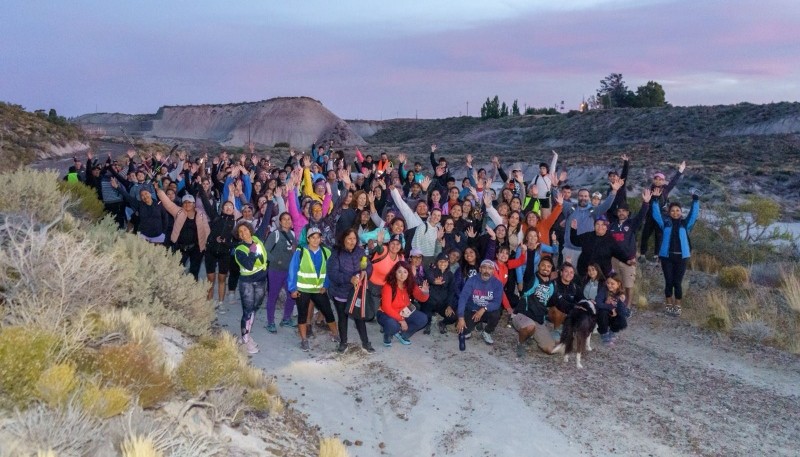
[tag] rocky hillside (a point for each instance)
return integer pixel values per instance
(26, 137)
(295, 120)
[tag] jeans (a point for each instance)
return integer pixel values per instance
(277, 281)
(430, 307)
(252, 295)
(416, 321)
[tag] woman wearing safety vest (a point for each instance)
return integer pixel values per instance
(251, 256)
(308, 282)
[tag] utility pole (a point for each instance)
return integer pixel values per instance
(467, 108)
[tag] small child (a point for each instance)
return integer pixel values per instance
(611, 309)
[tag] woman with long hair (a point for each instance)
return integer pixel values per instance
(348, 269)
(396, 315)
(280, 244)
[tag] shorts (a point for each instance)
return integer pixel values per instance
(626, 272)
(541, 334)
(214, 260)
(544, 203)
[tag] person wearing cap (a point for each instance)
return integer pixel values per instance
(189, 232)
(623, 229)
(650, 228)
(280, 244)
(599, 247)
(442, 294)
(417, 268)
(544, 183)
(480, 301)
(308, 284)
(251, 256)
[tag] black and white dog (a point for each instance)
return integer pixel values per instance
(576, 334)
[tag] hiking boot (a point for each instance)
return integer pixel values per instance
(607, 339)
(654, 258)
(271, 328)
(487, 338)
(341, 348)
(402, 339)
(288, 323)
(251, 346)
(305, 346)
(442, 328)
(520, 350)
(427, 330)
(368, 347)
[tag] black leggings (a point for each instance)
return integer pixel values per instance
(651, 228)
(320, 301)
(195, 257)
(674, 268)
(430, 307)
(361, 326)
(606, 321)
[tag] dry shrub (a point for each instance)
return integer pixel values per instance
(791, 290)
(131, 366)
(50, 277)
(47, 453)
(211, 363)
(332, 447)
(139, 446)
(32, 192)
(733, 277)
(56, 384)
(25, 353)
(162, 432)
(87, 205)
(67, 431)
(228, 404)
(261, 401)
(104, 402)
(752, 326)
(153, 282)
(718, 313)
(130, 327)
(704, 262)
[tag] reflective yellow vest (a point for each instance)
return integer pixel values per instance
(308, 279)
(72, 177)
(261, 258)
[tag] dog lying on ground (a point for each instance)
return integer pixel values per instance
(576, 333)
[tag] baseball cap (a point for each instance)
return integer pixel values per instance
(442, 256)
(313, 231)
(659, 175)
(415, 253)
(488, 262)
(597, 195)
(602, 219)
(187, 198)
(397, 238)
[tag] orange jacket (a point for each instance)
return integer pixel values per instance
(392, 306)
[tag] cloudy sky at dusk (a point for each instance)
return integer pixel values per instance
(385, 59)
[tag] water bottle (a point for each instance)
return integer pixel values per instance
(363, 264)
(462, 341)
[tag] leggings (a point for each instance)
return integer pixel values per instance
(651, 228)
(195, 258)
(320, 301)
(277, 281)
(674, 268)
(605, 321)
(252, 294)
(430, 307)
(361, 326)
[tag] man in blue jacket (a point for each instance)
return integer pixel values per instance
(480, 301)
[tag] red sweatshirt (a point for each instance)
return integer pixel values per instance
(392, 307)
(501, 273)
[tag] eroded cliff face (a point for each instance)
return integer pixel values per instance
(295, 120)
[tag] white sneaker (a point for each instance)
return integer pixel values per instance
(487, 338)
(251, 346)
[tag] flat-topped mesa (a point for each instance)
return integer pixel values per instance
(295, 120)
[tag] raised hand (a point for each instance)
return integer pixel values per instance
(425, 288)
(559, 198)
(89, 155)
(114, 183)
(646, 195)
(657, 192)
(470, 232)
(625, 158)
(553, 238)
(371, 197)
(251, 147)
(433, 148)
(562, 176)
(682, 166)
(617, 185)
(130, 153)
(426, 181)
(401, 158)
(381, 236)
(574, 224)
(487, 199)
(495, 162)
(469, 160)
(490, 232)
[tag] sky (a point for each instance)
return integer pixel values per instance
(379, 60)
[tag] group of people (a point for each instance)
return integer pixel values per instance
(379, 240)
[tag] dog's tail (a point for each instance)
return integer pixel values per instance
(568, 336)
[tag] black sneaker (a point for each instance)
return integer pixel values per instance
(427, 330)
(368, 347)
(341, 348)
(442, 328)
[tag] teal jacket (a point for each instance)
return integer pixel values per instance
(685, 227)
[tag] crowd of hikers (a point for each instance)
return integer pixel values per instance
(371, 239)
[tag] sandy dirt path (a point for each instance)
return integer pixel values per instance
(665, 389)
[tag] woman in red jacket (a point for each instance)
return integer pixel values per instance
(397, 315)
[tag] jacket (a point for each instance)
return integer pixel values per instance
(342, 266)
(685, 226)
(536, 298)
(393, 303)
(599, 250)
(478, 293)
(203, 229)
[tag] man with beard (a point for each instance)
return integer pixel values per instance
(480, 301)
(584, 214)
(528, 317)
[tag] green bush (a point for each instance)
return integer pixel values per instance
(260, 400)
(56, 384)
(733, 277)
(104, 402)
(87, 205)
(25, 353)
(32, 192)
(213, 362)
